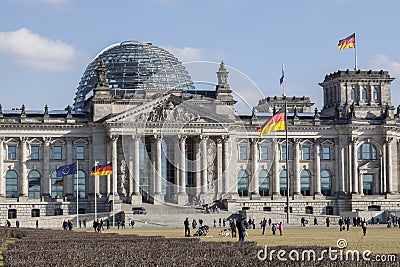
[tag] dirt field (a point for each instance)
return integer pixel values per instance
(379, 239)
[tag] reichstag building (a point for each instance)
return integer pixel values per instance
(137, 108)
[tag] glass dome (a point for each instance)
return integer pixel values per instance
(134, 68)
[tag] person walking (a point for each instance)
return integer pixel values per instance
(341, 223)
(364, 227)
(280, 227)
(233, 228)
(327, 221)
(263, 225)
(187, 227)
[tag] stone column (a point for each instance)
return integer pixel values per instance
(46, 169)
(136, 165)
(389, 182)
(317, 188)
(2, 174)
(219, 167)
(158, 197)
(296, 171)
(182, 195)
(255, 178)
(276, 185)
(24, 174)
(226, 160)
(355, 189)
(114, 159)
(130, 150)
(342, 187)
(197, 167)
(203, 147)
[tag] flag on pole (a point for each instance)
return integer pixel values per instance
(66, 170)
(276, 123)
(101, 170)
(283, 76)
(348, 42)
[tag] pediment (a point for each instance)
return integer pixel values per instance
(168, 109)
(369, 167)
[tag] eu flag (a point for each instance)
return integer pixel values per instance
(66, 170)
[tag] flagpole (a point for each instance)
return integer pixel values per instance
(77, 195)
(95, 190)
(287, 167)
(355, 52)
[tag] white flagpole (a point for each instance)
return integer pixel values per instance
(77, 195)
(95, 190)
(355, 52)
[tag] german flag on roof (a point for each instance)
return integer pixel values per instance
(348, 42)
(101, 170)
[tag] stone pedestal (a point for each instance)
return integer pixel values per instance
(136, 199)
(182, 199)
(255, 196)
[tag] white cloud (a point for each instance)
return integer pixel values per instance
(29, 49)
(383, 62)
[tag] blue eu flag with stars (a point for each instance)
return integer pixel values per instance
(66, 170)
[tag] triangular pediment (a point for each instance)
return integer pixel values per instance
(168, 109)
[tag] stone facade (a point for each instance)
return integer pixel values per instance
(182, 148)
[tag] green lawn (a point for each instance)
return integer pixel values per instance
(379, 239)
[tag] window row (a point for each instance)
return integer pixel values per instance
(364, 94)
(35, 213)
(35, 152)
(244, 153)
(35, 181)
(365, 151)
(265, 182)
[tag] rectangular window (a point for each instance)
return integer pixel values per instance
(326, 152)
(80, 152)
(263, 152)
(305, 153)
(283, 153)
(34, 152)
(57, 152)
(12, 152)
(242, 152)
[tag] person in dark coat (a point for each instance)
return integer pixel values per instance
(263, 225)
(327, 221)
(241, 229)
(187, 227)
(233, 228)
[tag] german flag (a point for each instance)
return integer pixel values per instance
(348, 42)
(101, 170)
(276, 123)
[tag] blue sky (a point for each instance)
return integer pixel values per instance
(45, 45)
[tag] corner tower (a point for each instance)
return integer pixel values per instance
(357, 94)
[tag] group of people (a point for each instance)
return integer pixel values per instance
(67, 225)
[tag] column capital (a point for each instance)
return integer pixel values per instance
(388, 140)
(255, 140)
(136, 138)
(114, 137)
(297, 140)
(182, 138)
(23, 139)
(158, 137)
(225, 138)
(203, 137)
(353, 140)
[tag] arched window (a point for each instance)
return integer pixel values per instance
(364, 94)
(282, 183)
(243, 183)
(366, 152)
(264, 183)
(305, 183)
(353, 93)
(34, 184)
(326, 183)
(81, 184)
(376, 94)
(11, 184)
(57, 186)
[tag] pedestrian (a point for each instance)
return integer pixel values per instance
(194, 224)
(220, 222)
(341, 223)
(108, 224)
(80, 223)
(347, 222)
(69, 225)
(17, 223)
(201, 222)
(37, 224)
(263, 225)
(132, 223)
(65, 225)
(327, 221)
(215, 223)
(187, 227)
(280, 227)
(364, 227)
(315, 221)
(118, 223)
(84, 223)
(241, 229)
(273, 228)
(269, 222)
(233, 228)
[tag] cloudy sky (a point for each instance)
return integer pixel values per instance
(45, 45)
